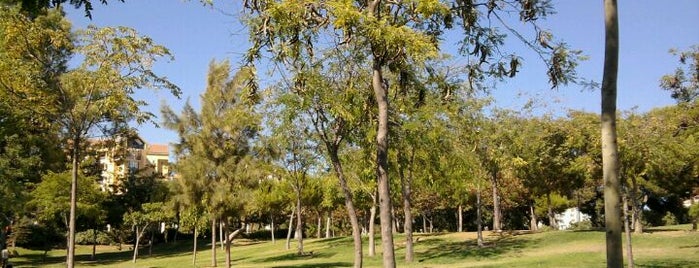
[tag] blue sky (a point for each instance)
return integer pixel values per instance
(196, 34)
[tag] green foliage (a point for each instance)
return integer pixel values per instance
(51, 199)
(684, 83)
(670, 219)
(88, 238)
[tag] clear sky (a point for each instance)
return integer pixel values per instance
(196, 34)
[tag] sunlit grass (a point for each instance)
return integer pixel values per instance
(673, 246)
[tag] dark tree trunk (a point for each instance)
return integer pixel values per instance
(194, 250)
(610, 160)
(627, 229)
(372, 225)
(94, 244)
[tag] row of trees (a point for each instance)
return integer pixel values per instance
(319, 136)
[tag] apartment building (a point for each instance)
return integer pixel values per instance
(122, 157)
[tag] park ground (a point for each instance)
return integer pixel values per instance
(667, 246)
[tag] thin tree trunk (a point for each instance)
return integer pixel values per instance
(533, 222)
(138, 241)
(150, 244)
(479, 218)
(94, 244)
(299, 224)
(327, 225)
(552, 217)
(194, 250)
(291, 227)
(227, 244)
(424, 223)
(381, 97)
(70, 259)
(213, 242)
(347, 193)
(496, 203)
(271, 217)
(627, 229)
(460, 215)
(221, 236)
(372, 224)
(635, 207)
(408, 223)
(610, 161)
(320, 226)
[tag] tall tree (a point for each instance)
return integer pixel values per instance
(610, 154)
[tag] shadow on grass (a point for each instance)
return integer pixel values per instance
(105, 258)
(294, 257)
(322, 264)
(440, 248)
(667, 263)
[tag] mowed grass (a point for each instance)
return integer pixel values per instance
(673, 246)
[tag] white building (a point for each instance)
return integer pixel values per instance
(570, 216)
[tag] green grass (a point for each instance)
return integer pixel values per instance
(672, 246)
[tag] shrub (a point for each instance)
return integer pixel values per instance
(86, 238)
(670, 219)
(581, 226)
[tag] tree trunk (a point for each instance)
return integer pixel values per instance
(533, 223)
(320, 225)
(271, 217)
(138, 241)
(150, 244)
(227, 244)
(372, 224)
(627, 229)
(460, 216)
(229, 241)
(213, 242)
(610, 161)
(70, 259)
(552, 218)
(94, 244)
(221, 236)
(291, 227)
(381, 96)
(194, 250)
(327, 224)
(635, 207)
(408, 223)
(299, 223)
(479, 217)
(424, 223)
(496, 203)
(347, 193)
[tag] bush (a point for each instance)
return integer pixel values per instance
(670, 219)
(87, 237)
(581, 226)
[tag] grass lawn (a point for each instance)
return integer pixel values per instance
(669, 246)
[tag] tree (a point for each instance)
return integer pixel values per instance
(393, 34)
(150, 215)
(33, 7)
(610, 160)
(684, 83)
(218, 140)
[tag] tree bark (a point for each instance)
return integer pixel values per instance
(320, 225)
(497, 226)
(213, 242)
(299, 224)
(610, 161)
(291, 227)
(94, 244)
(479, 218)
(534, 221)
(271, 217)
(327, 225)
(228, 246)
(381, 97)
(194, 250)
(70, 259)
(552, 218)
(372, 224)
(627, 229)
(636, 214)
(138, 241)
(460, 216)
(349, 204)
(408, 223)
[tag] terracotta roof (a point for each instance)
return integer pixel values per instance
(158, 149)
